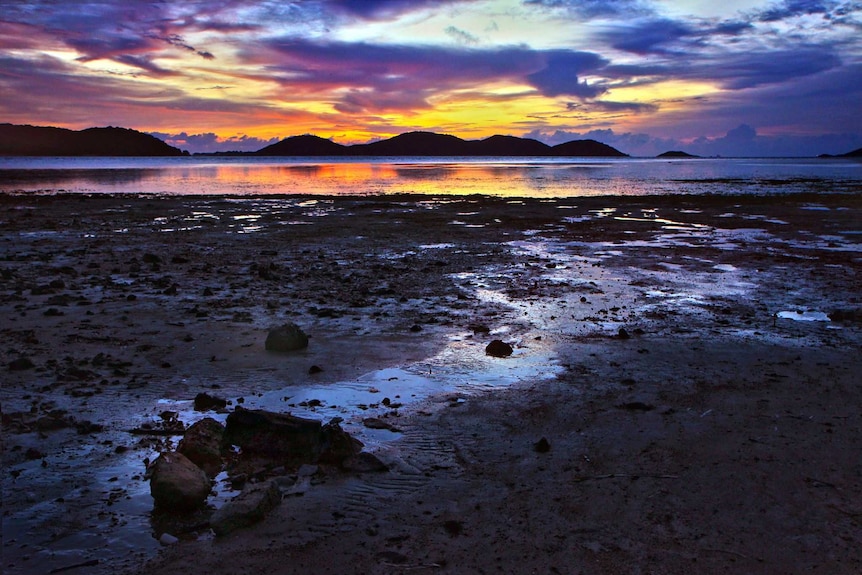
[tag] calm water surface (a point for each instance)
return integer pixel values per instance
(521, 177)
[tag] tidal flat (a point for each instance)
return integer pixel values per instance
(682, 396)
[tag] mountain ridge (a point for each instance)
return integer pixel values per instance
(433, 144)
(26, 140)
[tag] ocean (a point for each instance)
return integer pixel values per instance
(503, 176)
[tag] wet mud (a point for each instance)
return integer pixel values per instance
(691, 364)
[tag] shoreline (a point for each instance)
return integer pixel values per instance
(696, 281)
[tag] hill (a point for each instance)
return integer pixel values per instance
(432, 144)
(853, 154)
(676, 154)
(306, 145)
(46, 141)
(586, 148)
(413, 144)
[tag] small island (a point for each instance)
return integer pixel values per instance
(676, 154)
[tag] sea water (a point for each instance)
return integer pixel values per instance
(497, 176)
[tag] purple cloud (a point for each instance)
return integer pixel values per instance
(403, 77)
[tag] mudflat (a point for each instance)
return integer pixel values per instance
(683, 396)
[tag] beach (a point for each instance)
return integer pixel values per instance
(682, 397)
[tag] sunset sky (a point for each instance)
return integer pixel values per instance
(736, 77)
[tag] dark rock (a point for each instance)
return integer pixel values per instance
(364, 462)
(87, 427)
(177, 484)
(21, 364)
(542, 446)
(846, 315)
(314, 369)
(374, 423)
(33, 453)
(415, 328)
(206, 402)
(498, 348)
(202, 444)
(636, 406)
(338, 445)
(278, 435)
(623, 334)
(247, 508)
(287, 337)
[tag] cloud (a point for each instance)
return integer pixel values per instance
(596, 8)
(210, 142)
(383, 9)
(460, 36)
(401, 77)
(560, 76)
(645, 37)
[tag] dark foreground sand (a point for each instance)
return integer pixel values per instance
(719, 433)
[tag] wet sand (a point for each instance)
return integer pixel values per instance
(717, 433)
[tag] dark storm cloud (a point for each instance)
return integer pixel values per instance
(652, 36)
(559, 77)
(400, 77)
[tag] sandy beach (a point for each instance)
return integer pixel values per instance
(683, 396)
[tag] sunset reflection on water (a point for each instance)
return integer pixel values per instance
(507, 177)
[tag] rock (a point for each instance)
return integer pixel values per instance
(542, 446)
(247, 508)
(374, 423)
(499, 348)
(21, 364)
(846, 315)
(207, 402)
(177, 484)
(202, 444)
(623, 333)
(338, 445)
(314, 369)
(278, 435)
(168, 539)
(364, 462)
(287, 337)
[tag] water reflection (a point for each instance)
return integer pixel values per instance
(518, 177)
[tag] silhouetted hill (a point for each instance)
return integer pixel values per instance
(306, 145)
(585, 148)
(509, 146)
(853, 154)
(46, 141)
(676, 154)
(413, 144)
(431, 144)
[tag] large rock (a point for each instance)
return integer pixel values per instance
(287, 337)
(202, 444)
(338, 445)
(276, 435)
(498, 348)
(247, 508)
(177, 484)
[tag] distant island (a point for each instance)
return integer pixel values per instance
(676, 154)
(431, 144)
(853, 154)
(46, 141)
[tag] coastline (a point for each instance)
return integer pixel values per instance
(714, 438)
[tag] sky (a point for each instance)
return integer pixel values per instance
(730, 78)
